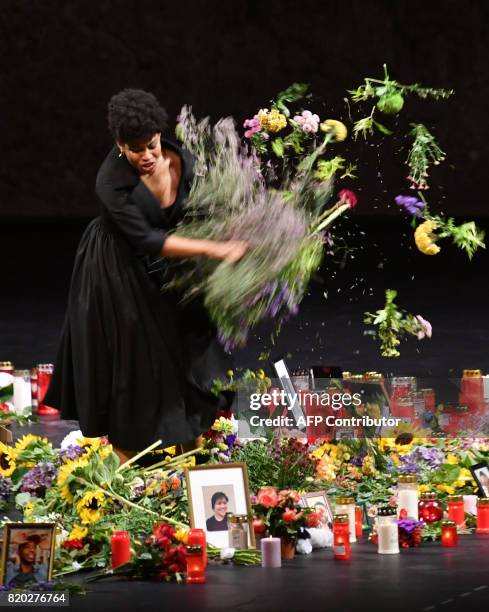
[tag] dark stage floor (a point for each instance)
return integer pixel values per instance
(446, 289)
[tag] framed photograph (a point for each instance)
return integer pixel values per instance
(214, 492)
(319, 502)
(480, 472)
(27, 553)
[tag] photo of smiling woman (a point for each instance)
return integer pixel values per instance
(218, 521)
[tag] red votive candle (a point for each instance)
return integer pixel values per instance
(195, 564)
(448, 533)
(456, 510)
(196, 537)
(121, 548)
(44, 375)
(359, 521)
(341, 536)
(429, 508)
(483, 515)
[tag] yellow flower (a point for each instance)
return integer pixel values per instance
(465, 474)
(445, 489)
(425, 239)
(27, 440)
(78, 532)
(451, 459)
(373, 410)
(423, 488)
(271, 121)
(459, 483)
(337, 127)
(64, 471)
(171, 450)
(8, 455)
(105, 450)
(261, 374)
(182, 535)
(229, 373)
(90, 507)
(28, 511)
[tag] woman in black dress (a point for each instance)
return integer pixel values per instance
(134, 363)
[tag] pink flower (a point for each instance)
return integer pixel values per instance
(307, 121)
(254, 126)
(289, 495)
(348, 197)
(426, 328)
(268, 497)
(393, 500)
(290, 515)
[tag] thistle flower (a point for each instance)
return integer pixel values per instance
(425, 239)
(37, 480)
(411, 204)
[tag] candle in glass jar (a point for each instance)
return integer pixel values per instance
(387, 531)
(121, 548)
(358, 522)
(483, 515)
(448, 533)
(346, 505)
(44, 375)
(22, 392)
(237, 534)
(341, 536)
(271, 555)
(429, 508)
(407, 495)
(470, 504)
(195, 564)
(456, 510)
(196, 537)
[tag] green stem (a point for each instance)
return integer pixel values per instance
(326, 222)
(138, 456)
(173, 463)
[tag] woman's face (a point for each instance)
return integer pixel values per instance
(143, 154)
(221, 507)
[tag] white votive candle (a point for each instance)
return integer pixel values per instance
(271, 555)
(407, 495)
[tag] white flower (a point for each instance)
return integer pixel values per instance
(6, 379)
(227, 553)
(76, 566)
(72, 439)
(61, 536)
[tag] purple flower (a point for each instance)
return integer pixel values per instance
(37, 480)
(409, 524)
(71, 453)
(5, 487)
(411, 204)
(230, 440)
(253, 126)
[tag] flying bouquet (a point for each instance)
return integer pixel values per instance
(282, 220)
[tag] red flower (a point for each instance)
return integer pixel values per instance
(291, 515)
(4, 407)
(259, 526)
(267, 497)
(313, 519)
(348, 197)
(403, 514)
(73, 544)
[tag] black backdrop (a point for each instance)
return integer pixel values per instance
(60, 61)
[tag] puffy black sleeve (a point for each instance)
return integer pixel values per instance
(119, 188)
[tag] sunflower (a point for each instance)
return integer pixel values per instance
(105, 450)
(90, 506)
(78, 532)
(64, 471)
(8, 456)
(27, 440)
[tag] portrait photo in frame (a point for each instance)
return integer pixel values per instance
(480, 472)
(214, 492)
(27, 553)
(319, 502)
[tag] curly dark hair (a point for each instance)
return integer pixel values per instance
(135, 114)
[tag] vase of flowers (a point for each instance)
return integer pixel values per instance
(283, 516)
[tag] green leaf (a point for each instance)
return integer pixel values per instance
(382, 128)
(21, 499)
(278, 147)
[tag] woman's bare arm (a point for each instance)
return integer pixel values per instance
(228, 250)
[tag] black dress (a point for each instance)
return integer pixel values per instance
(134, 363)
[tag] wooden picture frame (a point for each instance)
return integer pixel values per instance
(40, 538)
(214, 491)
(480, 472)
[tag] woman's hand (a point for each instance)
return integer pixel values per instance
(228, 250)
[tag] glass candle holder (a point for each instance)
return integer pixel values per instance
(456, 510)
(195, 564)
(238, 536)
(448, 534)
(358, 522)
(121, 548)
(387, 531)
(346, 505)
(196, 537)
(429, 508)
(483, 515)
(341, 536)
(407, 495)
(44, 375)
(22, 392)
(7, 367)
